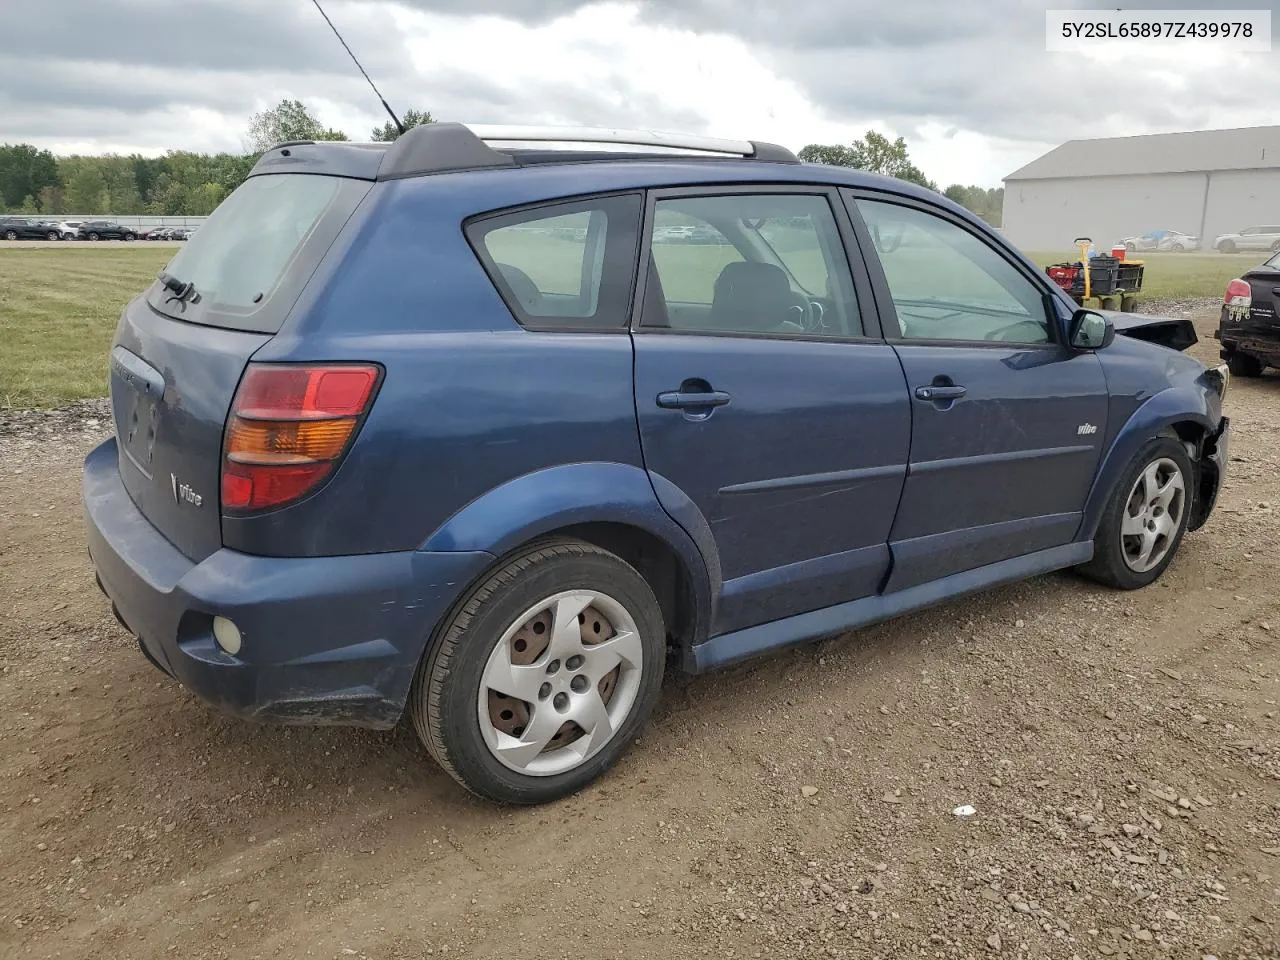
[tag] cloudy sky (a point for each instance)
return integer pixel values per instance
(969, 84)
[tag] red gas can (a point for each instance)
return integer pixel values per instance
(1118, 251)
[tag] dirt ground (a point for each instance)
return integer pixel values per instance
(1122, 752)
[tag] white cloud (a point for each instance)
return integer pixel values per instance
(973, 91)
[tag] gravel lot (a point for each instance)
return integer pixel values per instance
(1122, 752)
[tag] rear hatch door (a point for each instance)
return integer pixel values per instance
(1265, 284)
(182, 346)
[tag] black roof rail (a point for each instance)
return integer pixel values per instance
(438, 148)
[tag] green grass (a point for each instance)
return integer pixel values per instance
(1178, 276)
(58, 313)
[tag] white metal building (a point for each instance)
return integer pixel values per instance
(1203, 183)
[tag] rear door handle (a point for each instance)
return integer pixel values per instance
(683, 400)
(940, 393)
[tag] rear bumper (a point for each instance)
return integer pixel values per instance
(326, 640)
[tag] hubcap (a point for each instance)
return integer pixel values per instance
(561, 680)
(1152, 515)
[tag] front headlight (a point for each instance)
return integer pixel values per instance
(1218, 378)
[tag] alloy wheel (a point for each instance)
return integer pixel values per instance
(1152, 515)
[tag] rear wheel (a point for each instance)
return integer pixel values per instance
(93, 236)
(130, 236)
(1226, 246)
(10, 235)
(1143, 524)
(51, 235)
(543, 675)
(1130, 247)
(1275, 247)
(1178, 248)
(1244, 364)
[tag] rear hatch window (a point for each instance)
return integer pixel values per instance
(246, 266)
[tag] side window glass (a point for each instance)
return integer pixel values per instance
(947, 284)
(564, 265)
(766, 264)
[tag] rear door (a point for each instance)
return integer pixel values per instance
(767, 398)
(178, 357)
(1006, 421)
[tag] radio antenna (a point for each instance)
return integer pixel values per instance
(386, 106)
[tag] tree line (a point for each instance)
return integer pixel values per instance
(182, 183)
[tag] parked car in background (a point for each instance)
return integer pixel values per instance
(26, 228)
(1250, 238)
(154, 233)
(106, 230)
(70, 229)
(179, 233)
(1249, 326)
(380, 448)
(1170, 240)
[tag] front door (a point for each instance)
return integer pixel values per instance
(1006, 421)
(767, 402)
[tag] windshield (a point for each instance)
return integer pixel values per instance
(244, 253)
(1273, 262)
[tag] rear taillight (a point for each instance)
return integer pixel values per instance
(1239, 295)
(289, 426)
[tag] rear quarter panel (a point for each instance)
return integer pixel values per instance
(470, 400)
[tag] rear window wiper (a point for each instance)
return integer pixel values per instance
(184, 291)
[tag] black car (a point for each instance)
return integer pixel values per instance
(1250, 325)
(24, 228)
(106, 230)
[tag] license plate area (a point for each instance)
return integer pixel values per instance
(139, 391)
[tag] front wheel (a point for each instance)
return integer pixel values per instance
(11, 235)
(93, 236)
(543, 675)
(1143, 524)
(51, 235)
(130, 236)
(1130, 248)
(1178, 248)
(1226, 246)
(1275, 247)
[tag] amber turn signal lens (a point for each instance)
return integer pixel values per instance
(287, 441)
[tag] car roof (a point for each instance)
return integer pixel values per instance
(617, 160)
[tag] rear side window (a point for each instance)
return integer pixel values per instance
(250, 259)
(564, 265)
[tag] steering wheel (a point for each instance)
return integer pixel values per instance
(1035, 332)
(806, 315)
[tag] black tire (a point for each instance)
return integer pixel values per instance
(1108, 565)
(93, 236)
(1226, 246)
(1275, 247)
(10, 235)
(1244, 364)
(444, 698)
(130, 236)
(1129, 247)
(51, 235)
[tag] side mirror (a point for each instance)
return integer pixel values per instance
(1091, 331)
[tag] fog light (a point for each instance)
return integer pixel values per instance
(227, 634)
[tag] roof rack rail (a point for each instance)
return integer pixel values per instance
(445, 147)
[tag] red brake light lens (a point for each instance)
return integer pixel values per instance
(1239, 294)
(289, 426)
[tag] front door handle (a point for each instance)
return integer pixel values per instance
(932, 393)
(686, 400)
